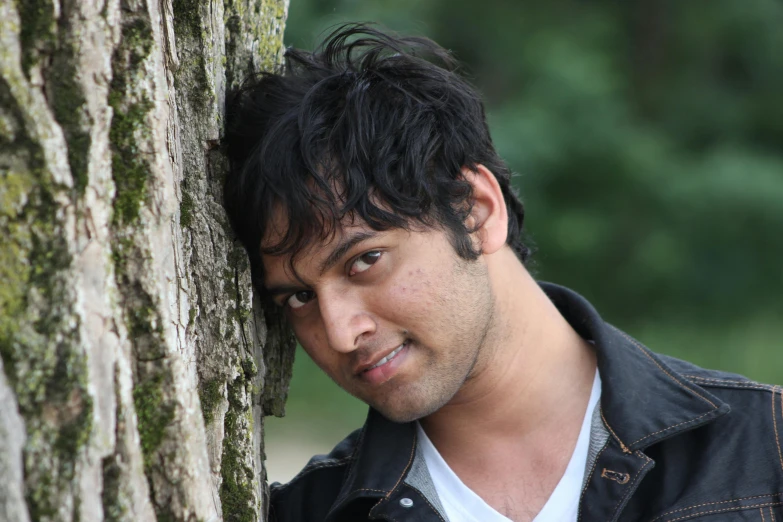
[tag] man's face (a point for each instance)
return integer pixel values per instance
(396, 318)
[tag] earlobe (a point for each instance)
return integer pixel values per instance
(489, 216)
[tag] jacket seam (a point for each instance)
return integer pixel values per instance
(771, 514)
(729, 383)
(775, 424)
(670, 427)
(404, 471)
(631, 489)
(761, 510)
(389, 493)
(724, 510)
(712, 504)
(644, 351)
(622, 446)
(367, 489)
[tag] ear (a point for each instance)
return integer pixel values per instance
(489, 215)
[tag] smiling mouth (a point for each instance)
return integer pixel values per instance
(388, 358)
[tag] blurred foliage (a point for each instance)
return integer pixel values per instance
(648, 138)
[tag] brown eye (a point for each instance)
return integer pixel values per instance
(365, 261)
(299, 299)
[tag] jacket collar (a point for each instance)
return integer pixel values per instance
(643, 401)
(383, 456)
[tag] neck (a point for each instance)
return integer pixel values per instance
(532, 379)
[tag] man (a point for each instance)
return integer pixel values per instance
(376, 212)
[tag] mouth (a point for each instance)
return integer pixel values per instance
(386, 367)
(387, 358)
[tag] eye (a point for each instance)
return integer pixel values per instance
(299, 299)
(365, 261)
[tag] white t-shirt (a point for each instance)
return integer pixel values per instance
(463, 505)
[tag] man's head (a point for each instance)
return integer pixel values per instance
(367, 149)
(363, 126)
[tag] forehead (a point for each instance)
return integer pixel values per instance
(316, 235)
(323, 241)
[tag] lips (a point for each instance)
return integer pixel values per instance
(363, 368)
(386, 368)
(388, 357)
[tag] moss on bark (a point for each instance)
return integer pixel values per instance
(37, 30)
(154, 413)
(68, 98)
(131, 140)
(239, 489)
(210, 394)
(39, 340)
(39, 322)
(114, 508)
(186, 209)
(129, 127)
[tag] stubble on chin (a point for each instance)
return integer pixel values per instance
(424, 399)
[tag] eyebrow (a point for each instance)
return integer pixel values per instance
(343, 247)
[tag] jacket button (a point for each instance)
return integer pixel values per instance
(406, 502)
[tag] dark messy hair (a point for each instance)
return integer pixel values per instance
(368, 126)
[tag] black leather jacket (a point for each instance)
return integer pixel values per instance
(670, 442)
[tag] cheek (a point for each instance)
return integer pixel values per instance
(314, 342)
(321, 356)
(408, 287)
(412, 293)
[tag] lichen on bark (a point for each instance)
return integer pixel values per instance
(130, 136)
(125, 298)
(68, 99)
(39, 331)
(211, 57)
(37, 35)
(130, 168)
(239, 489)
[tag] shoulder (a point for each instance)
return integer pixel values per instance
(735, 462)
(728, 466)
(733, 388)
(311, 493)
(755, 407)
(754, 426)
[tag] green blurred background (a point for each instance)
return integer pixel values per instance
(648, 141)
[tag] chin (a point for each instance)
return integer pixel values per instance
(401, 417)
(407, 413)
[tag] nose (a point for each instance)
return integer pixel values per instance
(345, 318)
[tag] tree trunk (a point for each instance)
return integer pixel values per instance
(136, 366)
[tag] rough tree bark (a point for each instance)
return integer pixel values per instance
(136, 367)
